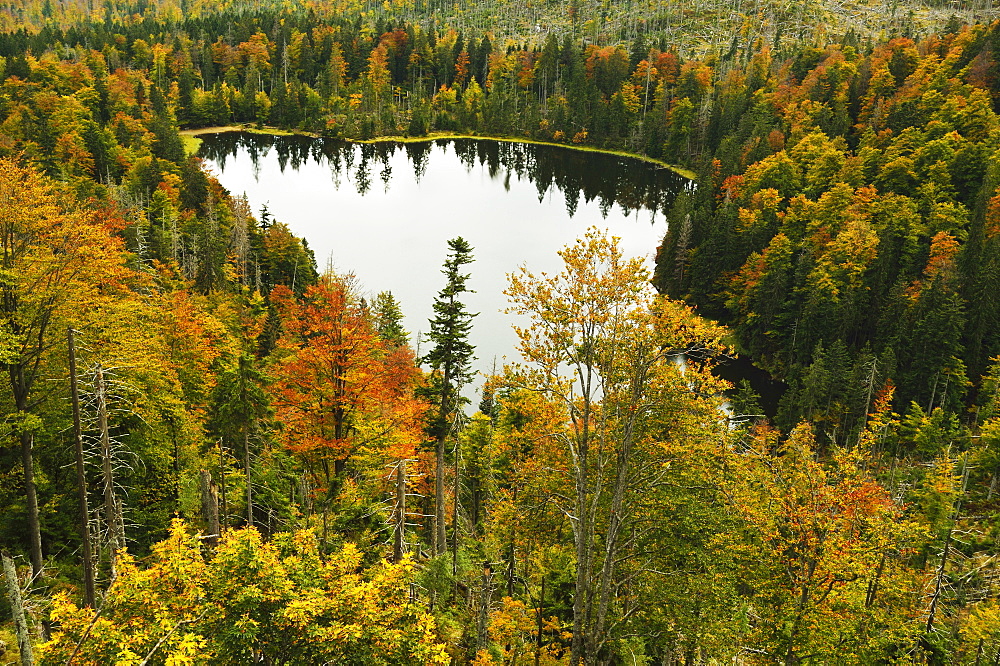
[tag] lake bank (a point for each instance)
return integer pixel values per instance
(192, 141)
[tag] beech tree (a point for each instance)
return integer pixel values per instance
(338, 386)
(819, 551)
(601, 346)
(275, 602)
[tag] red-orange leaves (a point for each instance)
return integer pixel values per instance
(940, 264)
(993, 216)
(339, 387)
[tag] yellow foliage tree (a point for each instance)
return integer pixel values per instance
(253, 602)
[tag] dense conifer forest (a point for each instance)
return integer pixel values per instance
(213, 452)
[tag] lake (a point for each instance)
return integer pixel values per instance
(385, 212)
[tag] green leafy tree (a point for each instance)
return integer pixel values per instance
(54, 261)
(599, 347)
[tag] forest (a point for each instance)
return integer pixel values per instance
(211, 451)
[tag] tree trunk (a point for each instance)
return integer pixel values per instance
(939, 579)
(222, 484)
(484, 608)
(454, 515)
(81, 481)
(112, 508)
(19, 387)
(541, 606)
(873, 585)
(176, 462)
(611, 541)
(246, 469)
(956, 512)
(439, 517)
(440, 539)
(17, 610)
(581, 592)
(210, 507)
(397, 541)
(31, 499)
(584, 538)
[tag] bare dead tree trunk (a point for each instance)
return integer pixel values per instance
(17, 610)
(939, 579)
(945, 551)
(81, 480)
(397, 542)
(210, 507)
(993, 482)
(112, 508)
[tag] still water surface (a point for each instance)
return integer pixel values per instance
(385, 212)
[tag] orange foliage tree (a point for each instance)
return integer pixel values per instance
(340, 390)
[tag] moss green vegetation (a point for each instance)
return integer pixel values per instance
(191, 143)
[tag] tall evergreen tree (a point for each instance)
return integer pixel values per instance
(388, 319)
(451, 357)
(239, 405)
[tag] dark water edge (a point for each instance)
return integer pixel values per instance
(629, 183)
(768, 389)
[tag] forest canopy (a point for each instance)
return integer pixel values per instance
(213, 452)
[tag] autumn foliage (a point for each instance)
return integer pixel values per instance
(613, 500)
(339, 386)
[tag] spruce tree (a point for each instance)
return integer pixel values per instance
(238, 408)
(388, 319)
(451, 359)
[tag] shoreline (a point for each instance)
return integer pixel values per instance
(192, 142)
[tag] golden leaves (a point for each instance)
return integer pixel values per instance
(280, 599)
